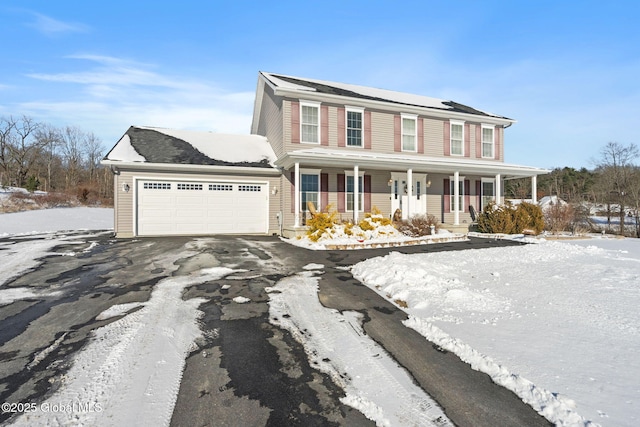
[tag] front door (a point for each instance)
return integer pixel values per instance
(400, 194)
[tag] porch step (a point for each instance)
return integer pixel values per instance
(461, 228)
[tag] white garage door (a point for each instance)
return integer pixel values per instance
(185, 207)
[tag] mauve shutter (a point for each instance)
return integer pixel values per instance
(367, 130)
(367, 193)
(293, 191)
(397, 133)
(478, 141)
(341, 127)
(467, 196)
(341, 198)
(324, 190)
(447, 196)
(324, 125)
(447, 138)
(478, 195)
(295, 122)
(467, 140)
(421, 136)
(496, 135)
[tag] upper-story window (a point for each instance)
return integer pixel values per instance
(409, 132)
(488, 144)
(354, 126)
(457, 138)
(310, 122)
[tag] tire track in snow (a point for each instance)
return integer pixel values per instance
(337, 344)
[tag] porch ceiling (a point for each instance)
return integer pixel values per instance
(323, 158)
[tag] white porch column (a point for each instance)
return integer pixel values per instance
(409, 192)
(498, 189)
(296, 195)
(356, 193)
(456, 198)
(534, 189)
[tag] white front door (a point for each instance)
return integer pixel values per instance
(400, 194)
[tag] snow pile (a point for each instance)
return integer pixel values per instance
(337, 345)
(56, 219)
(554, 322)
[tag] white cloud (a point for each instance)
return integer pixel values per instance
(50, 26)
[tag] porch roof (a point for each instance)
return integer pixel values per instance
(326, 158)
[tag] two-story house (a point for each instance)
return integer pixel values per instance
(412, 154)
(351, 147)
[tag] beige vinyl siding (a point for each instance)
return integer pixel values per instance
(271, 123)
(124, 221)
(381, 132)
(433, 138)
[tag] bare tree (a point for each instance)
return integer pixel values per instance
(93, 152)
(616, 171)
(71, 148)
(50, 140)
(6, 133)
(23, 148)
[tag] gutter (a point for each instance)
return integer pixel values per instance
(116, 166)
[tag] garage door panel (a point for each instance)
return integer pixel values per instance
(168, 207)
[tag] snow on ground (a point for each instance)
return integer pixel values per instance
(337, 345)
(56, 219)
(556, 322)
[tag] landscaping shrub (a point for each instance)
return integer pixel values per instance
(418, 225)
(321, 223)
(560, 217)
(508, 219)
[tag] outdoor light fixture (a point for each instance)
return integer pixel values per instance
(125, 187)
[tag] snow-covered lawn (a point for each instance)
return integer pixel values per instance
(557, 322)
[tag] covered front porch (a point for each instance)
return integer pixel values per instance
(403, 185)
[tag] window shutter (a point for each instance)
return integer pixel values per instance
(293, 191)
(421, 135)
(467, 194)
(478, 195)
(367, 130)
(295, 122)
(467, 140)
(367, 193)
(324, 125)
(478, 141)
(341, 195)
(342, 127)
(324, 190)
(397, 133)
(496, 139)
(447, 138)
(447, 196)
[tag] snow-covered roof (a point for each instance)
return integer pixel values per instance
(308, 86)
(159, 145)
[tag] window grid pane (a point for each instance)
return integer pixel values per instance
(460, 196)
(408, 134)
(309, 124)
(456, 139)
(354, 128)
(487, 142)
(350, 194)
(309, 185)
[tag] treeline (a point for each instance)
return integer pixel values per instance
(613, 183)
(38, 156)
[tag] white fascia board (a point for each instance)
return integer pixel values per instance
(392, 106)
(399, 162)
(176, 167)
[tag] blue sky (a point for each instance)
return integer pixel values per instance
(567, 71)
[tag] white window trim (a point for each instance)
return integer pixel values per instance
(315, 172)
(413, 117)
(315, 105)
(457, 123)
(348, 109)
(452, 179)
(493, 143)
(349, 173)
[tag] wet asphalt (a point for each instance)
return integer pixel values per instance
(244, 371)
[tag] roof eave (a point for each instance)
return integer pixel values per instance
(391, 163)
(177, 167)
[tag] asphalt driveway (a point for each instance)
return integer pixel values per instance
(245, 370)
